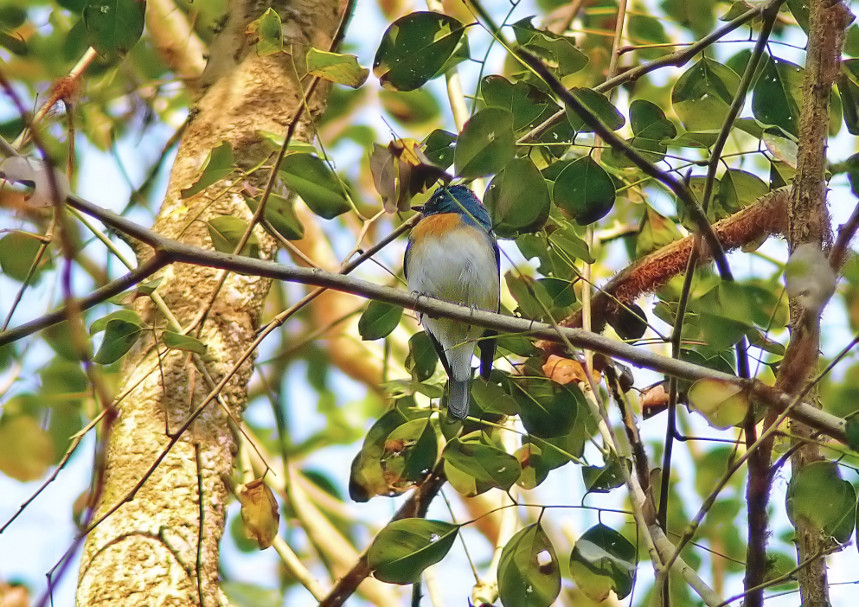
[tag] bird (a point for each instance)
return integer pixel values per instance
(453, 255)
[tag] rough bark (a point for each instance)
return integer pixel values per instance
(808, 222)
(155, 550)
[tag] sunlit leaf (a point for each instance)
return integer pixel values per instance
(119, 337)
(529, 574)
(26, 450)
(226, 233)
(703, 95)
(219, 164)
(528, 104)
(603, 560)
(280, 213)
(415, 48)
(722, 403)
(817, 494)
(651, 128)
(178, 341)
(129, 316)
(18, 252)
(559, 53)
(336, 67)
(484, 462)
(268, 31)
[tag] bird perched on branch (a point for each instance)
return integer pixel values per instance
(452, 255)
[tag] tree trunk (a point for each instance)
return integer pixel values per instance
(161, 547)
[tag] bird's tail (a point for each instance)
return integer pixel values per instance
(457, 398)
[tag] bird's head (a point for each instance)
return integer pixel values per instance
(457, 199)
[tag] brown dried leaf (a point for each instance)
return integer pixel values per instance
(259, 512)
(566, 370)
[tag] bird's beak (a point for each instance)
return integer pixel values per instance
(419, 208)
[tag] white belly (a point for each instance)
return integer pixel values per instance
(461, 270)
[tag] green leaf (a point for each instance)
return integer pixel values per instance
(517, 199)
(703, 95)
(113, 26)
(652, 132)
(415, 48)
(567, 242)
(599, 105)
(177, 341)
(559, 290)
(630, 322)
(26, 451)
(316, 184)
(280, 213)
(816, 493)
(129, 316)
(439, 148)
(851, 430)
(738, 189)
(336, 67)
(18, 251)
(602, 479)
(533, 299)
(484, 462)
(529, 105)
(848, 88)
(243, 594)
(269, 32)
(723, 404)
(378, 320)
(647, 31)
(534, 467)
(119, 337)
(558, 52)
(367, 477)
(529, 574)
(422, 359)
(656, 232)
(584, 190)
(417, 107)
(491, 398)
(603, 560)
(411, 451)
(219, 165)
(547, 409)
(403, 549)
(226, 233)
(486, 143)
(777, 95)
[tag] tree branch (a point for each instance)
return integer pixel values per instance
(766, 217)
(168, 250)
(808, 222)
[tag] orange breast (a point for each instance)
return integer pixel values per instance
(436, 225)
